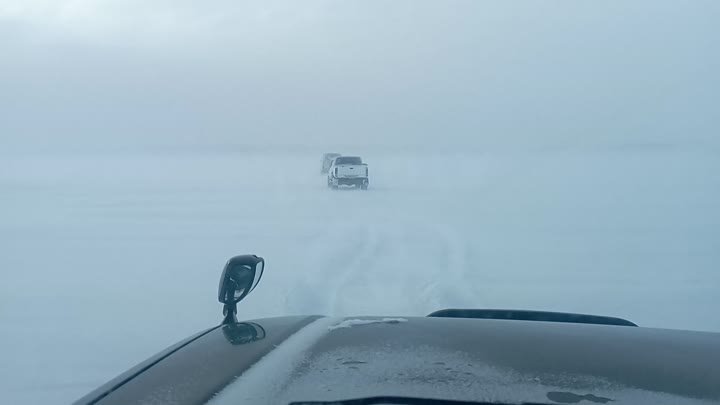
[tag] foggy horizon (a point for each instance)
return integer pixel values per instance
(108, 75)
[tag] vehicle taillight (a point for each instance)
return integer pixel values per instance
(336, 171)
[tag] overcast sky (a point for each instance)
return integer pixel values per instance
(119, 73)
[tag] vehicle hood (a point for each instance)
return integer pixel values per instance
(280, 360)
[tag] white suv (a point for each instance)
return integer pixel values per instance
(348, 171)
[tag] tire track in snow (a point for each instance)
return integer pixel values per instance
(401, 270)
(363, 260)
(402, 267)
(443, 286)
(388, 277)
(457, 287)
(333, 259)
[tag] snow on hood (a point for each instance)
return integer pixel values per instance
(348, 323)
(294, 372)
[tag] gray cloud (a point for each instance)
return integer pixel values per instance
(458, 73)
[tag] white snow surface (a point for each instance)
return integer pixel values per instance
(106, 259)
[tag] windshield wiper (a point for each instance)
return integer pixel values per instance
(391, 400)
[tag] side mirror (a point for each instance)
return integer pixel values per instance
(240, 276)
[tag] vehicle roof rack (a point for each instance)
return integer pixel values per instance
(523, 315)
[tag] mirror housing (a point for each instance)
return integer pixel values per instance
(239, 277)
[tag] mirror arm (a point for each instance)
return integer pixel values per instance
(230, 311)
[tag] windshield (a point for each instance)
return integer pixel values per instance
(348, 160)
(539, 155)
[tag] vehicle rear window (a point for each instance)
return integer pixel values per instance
(348, 160)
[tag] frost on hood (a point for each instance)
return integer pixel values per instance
(425, 372)
(349, 323)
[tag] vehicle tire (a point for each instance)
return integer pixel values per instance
(364, 186)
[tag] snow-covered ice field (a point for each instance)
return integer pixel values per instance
(106, 259)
